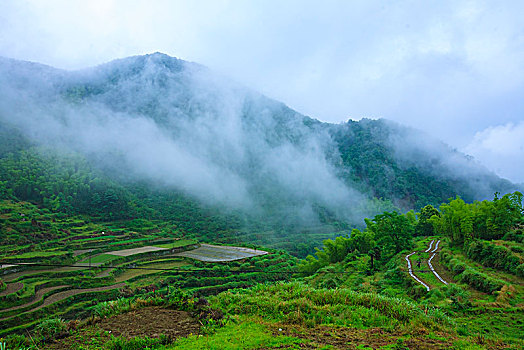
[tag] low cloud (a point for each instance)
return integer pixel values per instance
(179, 126)
(501, 148)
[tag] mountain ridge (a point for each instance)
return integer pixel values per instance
(179, 127)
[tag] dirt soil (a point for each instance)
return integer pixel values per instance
(53, 298)
(149, 321)
(12, 288)
(36, 298)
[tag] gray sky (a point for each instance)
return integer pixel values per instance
(454, 69)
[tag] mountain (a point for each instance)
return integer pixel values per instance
(155, 135)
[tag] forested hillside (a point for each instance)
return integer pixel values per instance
(159, 138)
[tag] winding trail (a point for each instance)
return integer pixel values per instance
(430, 244)
(410, 270)
(431, 249)
(433, 270)
(35, 299)
(61, 296)
(12, 288)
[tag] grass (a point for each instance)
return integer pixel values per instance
(301, 304)
(101, 258)
(131, 273)
(40, 254)
(130, 241)
(242, 333)
(176, 244)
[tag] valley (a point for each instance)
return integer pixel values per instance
(148, 203)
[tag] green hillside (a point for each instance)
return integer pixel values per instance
(149, 203)
(356, 292)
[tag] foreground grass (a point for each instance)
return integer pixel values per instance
(240, 334)
(297, 303)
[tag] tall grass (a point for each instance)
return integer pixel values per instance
(298, 303)
(176, 299)
(468, 274)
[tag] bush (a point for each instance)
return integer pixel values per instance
(459, 296)
(520, 270)
(16, 341)
(492, 255)
(480, 281)
(298, 303)
(467, 274)
(51, 328)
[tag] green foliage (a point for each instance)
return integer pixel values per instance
(15, 341)
(467, 274)
(463, 222)
(424, 227)
(386, 235)
(393, 233)
(112, 307)
(64, 183)
(51, 327)
(496, 256)
(460, 297)
(298, 303)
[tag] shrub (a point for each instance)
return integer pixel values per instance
(51, 327)
(298, 303)
(480, 281)
(16, 341)
(491, 255)
(467, 274)
(113, 307)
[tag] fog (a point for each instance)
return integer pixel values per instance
(417, 148)
(180, 126)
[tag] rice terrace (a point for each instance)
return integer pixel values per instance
(120, 285)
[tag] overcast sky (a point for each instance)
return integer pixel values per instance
(454, 69)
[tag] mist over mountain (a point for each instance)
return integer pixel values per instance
(179, 127)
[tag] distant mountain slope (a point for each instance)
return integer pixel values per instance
(176, 127)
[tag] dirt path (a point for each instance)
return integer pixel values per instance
(410, 270)
(433, 250)
(12, 288)
(38, 295)
(62, 295)
(12, 276)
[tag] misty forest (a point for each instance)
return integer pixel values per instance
(151, 203)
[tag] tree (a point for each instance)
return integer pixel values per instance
(393, 233)
(424, 227)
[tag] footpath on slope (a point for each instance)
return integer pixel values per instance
(434, 251)
(35, 299)
(12, 288)
(61, 296)
(431, 249)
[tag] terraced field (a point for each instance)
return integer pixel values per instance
(76, 262)
(215, 253)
